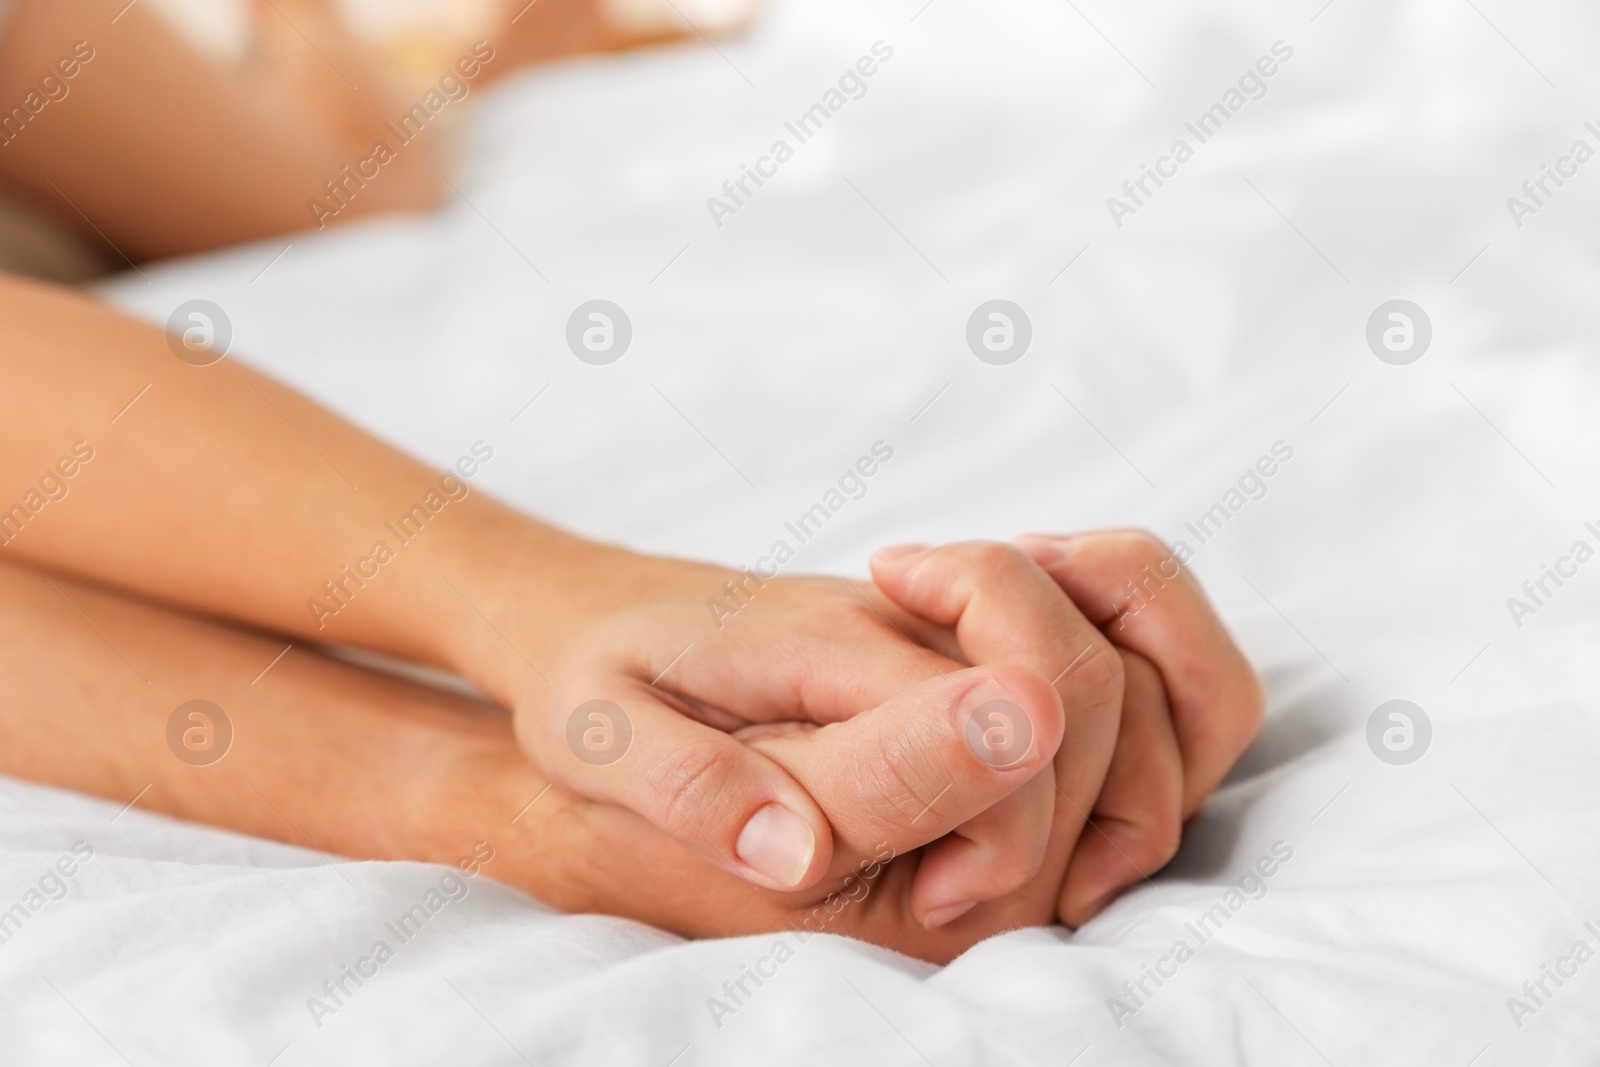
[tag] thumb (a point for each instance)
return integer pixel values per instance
(926, 761)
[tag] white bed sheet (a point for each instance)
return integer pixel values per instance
(1227, 314)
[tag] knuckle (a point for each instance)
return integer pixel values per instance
(1131, 551)
(1141, 551)
(849, 625)
(1231, 718)
(1147, 545)
(996, 557)
(1014, 866)
(691, 785)
(1251, 704)
(850, 619)
(1098, 677)
(831, 610)
(1148, 549)
(1153, 830)
(1160, 842)
(896, 781)
(1140, 675)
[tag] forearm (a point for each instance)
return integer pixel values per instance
(356, 764)
(219, 490)
(322, 754)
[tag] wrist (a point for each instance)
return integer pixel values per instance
(523, 589)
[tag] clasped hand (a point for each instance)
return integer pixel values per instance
(985, 736)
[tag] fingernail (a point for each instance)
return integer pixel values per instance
(894, 552)
(1044, 549)
(777, 843)
(947, 914)
(997, 729)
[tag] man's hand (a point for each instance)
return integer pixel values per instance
(1191, 704)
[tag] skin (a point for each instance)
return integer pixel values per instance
(363, 765)
(145, 100)
(1191, 703)
(839, 702)
(186, 472)
(115, 158)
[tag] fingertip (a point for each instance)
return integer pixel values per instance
(786, 842)
(1077, 912)
(892, 567)
(778, 847)
(898, 553)
(1117, 855)
(1033, 695)
(948, 914)
(1090, 886)
(1043, 549)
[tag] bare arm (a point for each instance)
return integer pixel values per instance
(221, 490)
(165, 152)
(217, 490)
(357, 764)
